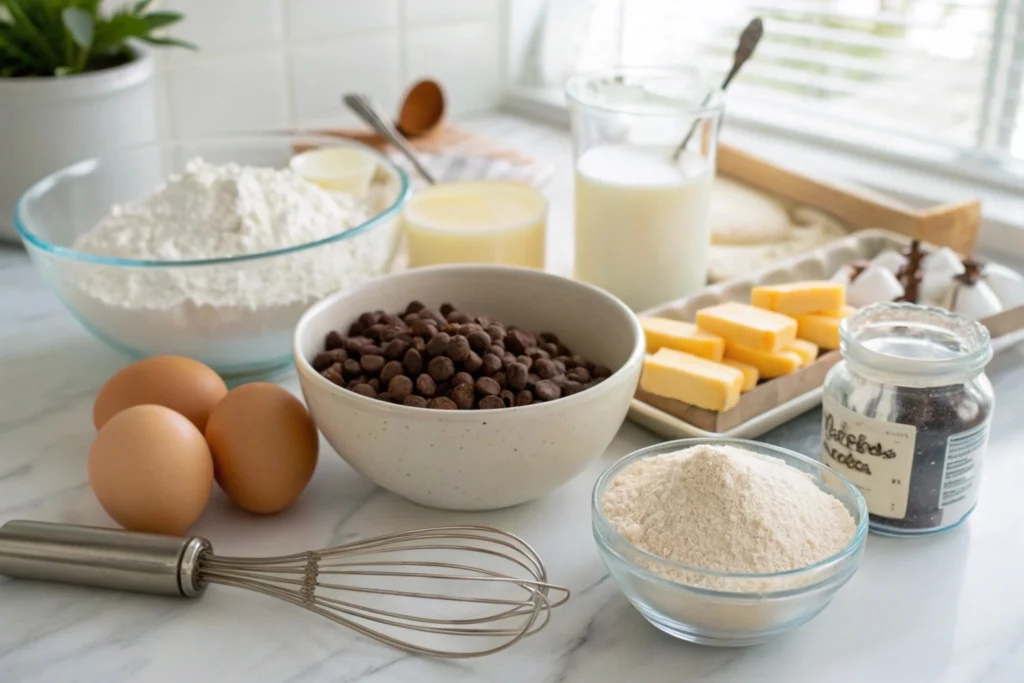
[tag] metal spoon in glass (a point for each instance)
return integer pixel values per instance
(749, 39)
(371, 113)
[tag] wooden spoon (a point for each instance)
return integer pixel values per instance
(422, 110)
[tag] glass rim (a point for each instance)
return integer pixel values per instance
(714, 97)
(970, 362)
(85, 166)
(605, 528)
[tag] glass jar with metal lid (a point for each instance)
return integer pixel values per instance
(906, 413)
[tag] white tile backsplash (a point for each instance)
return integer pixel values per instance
(278, 63)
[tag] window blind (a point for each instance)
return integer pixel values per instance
(927, 74)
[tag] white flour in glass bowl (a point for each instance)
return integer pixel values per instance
(233, 316)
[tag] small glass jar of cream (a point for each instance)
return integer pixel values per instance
(906, 413)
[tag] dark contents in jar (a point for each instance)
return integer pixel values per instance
(448, 360)
(937, 415)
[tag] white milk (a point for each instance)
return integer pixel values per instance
(642, 223)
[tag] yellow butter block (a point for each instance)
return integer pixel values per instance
(822, 330)
(800, 297)
(691, 379)
(681, 336)
(807, 350)
(843, 312)
(748, 326)
(768, 364)
(750, 373)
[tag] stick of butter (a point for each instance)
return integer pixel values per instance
(807, 350)
(750, 373)
(692, 379)
(748, 326)
(822, 330)
(768, 364)
(681, 336)
(800, 297)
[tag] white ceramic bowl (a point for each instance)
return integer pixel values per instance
(480, 459)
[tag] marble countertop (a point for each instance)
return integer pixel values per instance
(945, 609)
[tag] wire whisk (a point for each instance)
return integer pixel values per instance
(452, 592)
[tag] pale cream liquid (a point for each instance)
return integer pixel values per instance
(476, 222)
(642, 223)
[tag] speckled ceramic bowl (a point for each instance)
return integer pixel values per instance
(480, 459)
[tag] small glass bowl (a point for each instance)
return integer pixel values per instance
(750, 608)
(244, 339)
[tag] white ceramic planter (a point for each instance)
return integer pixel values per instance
(48, 123)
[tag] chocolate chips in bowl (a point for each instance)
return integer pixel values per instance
(450, 360)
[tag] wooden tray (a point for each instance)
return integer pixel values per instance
(950, 225)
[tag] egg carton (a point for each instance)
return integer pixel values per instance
(779, 400)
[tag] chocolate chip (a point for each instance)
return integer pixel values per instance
(374, 382)
(355, 329)
(361, 379)
(355, 344)
(569, 387)
(560, 367)
(473, 362)
(426, 386)
(490, 403)
(375, 332)
(500, 378)
(508, 398)
(369, 319)
(532, 379)
(518, 341)
(497, 348)
(399, 387)
(479, 341)
(391, 320)
(451, 329)
(550, 349)
(422, 328)
(386, 397)
(442, 403)
(370, 350)
(524, 397)
(470, 328)
(536, 353)
(546, 390)
(334, 341)
(495, 332)
(365, 389)
(508, 359)
(567, 361)
(579, 374)
(458, 348)
(548, 337)
(326, 359)
(525, 360)
(462, 378)
(463, 395)
(491, 363)
(600, 372)
(459, 317)
(333, 373)
(412, 363)
(434, 316)
(414, 307)
(438, 344)
(486, 386)
(447, 308)
(372, 364)
(482, 320)
(544, 368)
(352, 368)
(441, 368)
(391, 369)
(444, 388)
(516, 374)
(415, 401)
(395, 349)
(419, 344)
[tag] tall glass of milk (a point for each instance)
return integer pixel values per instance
(642, 209)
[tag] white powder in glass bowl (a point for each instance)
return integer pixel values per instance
(228, 315)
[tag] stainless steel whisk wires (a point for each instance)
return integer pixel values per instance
(400, 589)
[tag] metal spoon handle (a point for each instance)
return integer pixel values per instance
(749, 39)
(368, 111)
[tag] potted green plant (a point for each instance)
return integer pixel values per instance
(74, 81)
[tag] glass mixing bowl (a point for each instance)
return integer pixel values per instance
(744, 609)
(188, 314)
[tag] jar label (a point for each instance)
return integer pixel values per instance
(960, 474)
(877, 456)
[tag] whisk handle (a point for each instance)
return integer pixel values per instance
(105, 558)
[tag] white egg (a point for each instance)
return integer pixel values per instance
(976, 301)
(890, 260)
(937, 272)
(874, 285)
(1008, 284)
(844, 275)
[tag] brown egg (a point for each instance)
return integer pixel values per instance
(151, 470)
(264, 447)
(181, 384)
